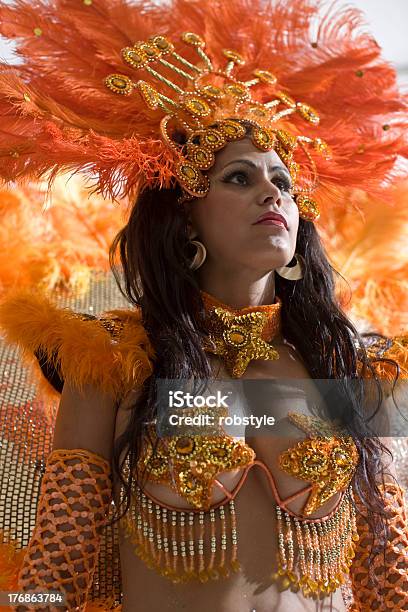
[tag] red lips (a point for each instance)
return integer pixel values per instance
(272, 215)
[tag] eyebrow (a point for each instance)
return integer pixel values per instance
(251, 164)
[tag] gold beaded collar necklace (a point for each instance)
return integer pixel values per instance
(239, 335)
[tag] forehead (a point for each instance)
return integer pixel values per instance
(245, 149)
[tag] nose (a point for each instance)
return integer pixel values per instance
(270, 194)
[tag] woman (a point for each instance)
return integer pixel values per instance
(234, 309)
(251, 185)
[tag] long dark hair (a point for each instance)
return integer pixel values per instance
(154, 274)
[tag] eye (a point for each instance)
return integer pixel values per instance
(282, 183)
(236, 173)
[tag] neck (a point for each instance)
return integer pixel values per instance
(239, 290)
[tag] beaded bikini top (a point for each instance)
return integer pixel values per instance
(201, 543)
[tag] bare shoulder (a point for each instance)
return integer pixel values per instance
(86, 419)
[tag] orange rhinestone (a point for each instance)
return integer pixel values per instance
(193, 39)
(214, 139)
(184, 446)
(258, 111)
(263, 139)
(265, 76)
(197, 106)
(201, 156)
(212, 91)
(233, 56)
(189, 172)
(133, 57)
(119, 84)
(149, 50)
(236, 90)
(162, 43)
(308, 113)
(232, 129)
(237, 337)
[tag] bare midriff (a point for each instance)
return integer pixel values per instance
(251, 588)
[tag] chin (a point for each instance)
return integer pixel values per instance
(270, 263)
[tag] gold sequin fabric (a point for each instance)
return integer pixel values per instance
(189, 464)
(112, 325)
(241, 335)
(327, 460)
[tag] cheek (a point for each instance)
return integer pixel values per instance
(212, 219)
(294, 221)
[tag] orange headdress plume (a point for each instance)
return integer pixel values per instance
(197, 65)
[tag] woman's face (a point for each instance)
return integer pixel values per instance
(245, 184)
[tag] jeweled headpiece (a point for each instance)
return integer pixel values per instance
(214, 109)
(58, 112)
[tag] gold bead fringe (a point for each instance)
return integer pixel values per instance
(183, 546)
(325, 549)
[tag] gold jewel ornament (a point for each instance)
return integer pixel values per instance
(241, 335)
(190, 464)
(183, 545)
(214, 108)
(327, 460)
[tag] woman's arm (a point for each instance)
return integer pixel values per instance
(86, 419)
(380, 581)
(75, 496)
(389, 589)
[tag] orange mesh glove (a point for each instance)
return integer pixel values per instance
(391, 591)
(62, 554)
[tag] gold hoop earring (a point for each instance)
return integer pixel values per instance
(199, 257)
(293, 273)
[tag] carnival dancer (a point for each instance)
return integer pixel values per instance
(205, 115)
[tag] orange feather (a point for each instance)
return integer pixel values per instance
(68, 120)
(54, 243)
(367, 244)
(34, 323)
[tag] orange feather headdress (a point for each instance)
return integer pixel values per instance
(59, 110)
